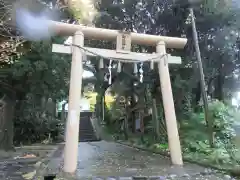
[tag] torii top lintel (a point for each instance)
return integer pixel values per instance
(65, 29)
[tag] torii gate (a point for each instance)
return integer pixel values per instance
(123, 52)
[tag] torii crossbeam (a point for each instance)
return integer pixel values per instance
(123, 52)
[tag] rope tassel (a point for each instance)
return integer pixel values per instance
(141, 72)
(119, 67)
(101, 65)
(135, 68)
(110, 72)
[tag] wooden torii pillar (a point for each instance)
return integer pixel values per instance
(79, 33)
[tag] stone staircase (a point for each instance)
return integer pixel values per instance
(86, 130)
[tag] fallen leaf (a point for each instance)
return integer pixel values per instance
(29, 175)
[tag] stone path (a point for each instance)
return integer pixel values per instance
(108, 160)
(15, 167)
(16, 170)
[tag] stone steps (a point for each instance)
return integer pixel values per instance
(86, 130)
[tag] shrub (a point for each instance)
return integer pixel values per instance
(32, 124)
(194, 134)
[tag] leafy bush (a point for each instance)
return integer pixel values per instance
(194, 134)
(223, 120)
(32, 124)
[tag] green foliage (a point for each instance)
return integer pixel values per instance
(117, 111)
(42, 72)
(223, 119)
(35, 124)
(35, 75)
(194, 135)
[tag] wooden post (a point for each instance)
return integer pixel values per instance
(72, 132)
(63, 112)
(170, 116)
(202, 80)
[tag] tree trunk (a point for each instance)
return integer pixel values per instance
(126, 125)
(132, 115)
(63, 112)
(98, 106)
(197, 98)
(155, 119)
(218, 90)
(142, 128)
(6, 123)
(43, 102)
